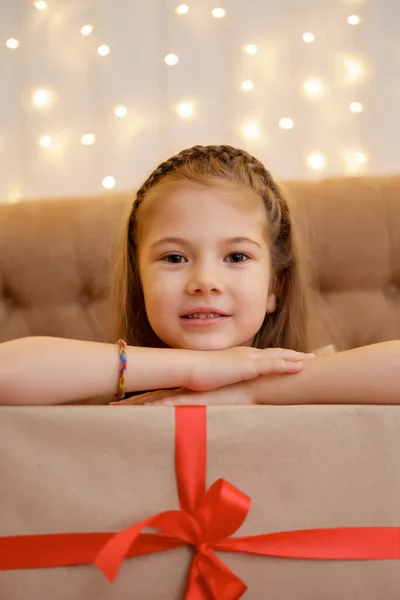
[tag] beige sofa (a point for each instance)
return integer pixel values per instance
(56, 256)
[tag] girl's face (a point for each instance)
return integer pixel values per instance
(205, 265)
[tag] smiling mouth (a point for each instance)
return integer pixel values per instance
(203, 316)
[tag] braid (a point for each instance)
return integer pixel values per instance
(227, 155)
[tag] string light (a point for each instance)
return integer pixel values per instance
(356, 107)
(120, 111)
(247, 85)
(185, 110)
(45, 141)
(308, 38)
(250, 48)
(88, 139)
(286, 123)
(108, 182)
(251, 130)
(314, 87)
(87, 30)
(171, 60)
(182, 9)
(355, 161)
(103, 50)
(354, 20)
(218, 13)
(42, 98)
(354, 69)
(316, 161)
(41, 5)
(12, 44)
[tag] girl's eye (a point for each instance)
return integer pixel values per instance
(174, 259)
(237, 257)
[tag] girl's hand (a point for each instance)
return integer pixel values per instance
(237, 394)
(217, 368)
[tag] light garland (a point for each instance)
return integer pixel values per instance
(352, 70)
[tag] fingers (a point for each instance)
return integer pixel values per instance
(288, 354)
(278, 365)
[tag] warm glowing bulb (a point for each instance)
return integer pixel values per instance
(218, 13)
(87, 29)
(356, 161)
(354, 20)
(41, 5)
(316, 161)
(41, 98)
(247, 85)
(251, 130)
(360, 158)
(314, 87)
(121, 111)
(45, 141)
(356, 107)
(308, 38)
(185, 110)
(103, 50)
(286, 123)
(182, 9)
(12, 43)
(354, 69)
(88, 139)
(171, 60)
(108, 182)
(251, 49)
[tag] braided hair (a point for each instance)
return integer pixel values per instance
(287, 326)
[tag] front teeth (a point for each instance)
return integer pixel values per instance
(203, 316)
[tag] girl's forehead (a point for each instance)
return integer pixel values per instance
(193, 209)
(189, 198)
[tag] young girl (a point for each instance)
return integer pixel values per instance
(211, 298)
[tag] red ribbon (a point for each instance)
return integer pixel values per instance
(206, 520)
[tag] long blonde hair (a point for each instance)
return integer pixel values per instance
(287, 327)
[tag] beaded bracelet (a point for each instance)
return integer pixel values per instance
(122, 369)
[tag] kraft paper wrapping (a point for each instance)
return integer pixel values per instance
(82, 469)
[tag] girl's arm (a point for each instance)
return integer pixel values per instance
(45, 370)
(367, 375)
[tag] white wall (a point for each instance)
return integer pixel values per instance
(212, 64)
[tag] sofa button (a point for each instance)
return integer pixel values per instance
(393, 291)
(86, 298)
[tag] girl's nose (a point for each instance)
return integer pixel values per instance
(204, 281)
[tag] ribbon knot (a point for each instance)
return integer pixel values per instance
(201, 548)
(205, 519)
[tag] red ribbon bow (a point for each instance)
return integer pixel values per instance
(206, 520)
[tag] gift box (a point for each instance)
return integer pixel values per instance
(305, 504)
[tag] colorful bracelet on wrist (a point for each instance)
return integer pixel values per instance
(122, 369)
